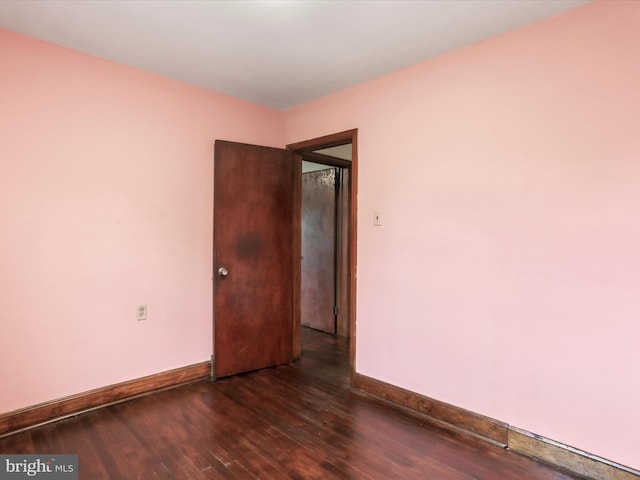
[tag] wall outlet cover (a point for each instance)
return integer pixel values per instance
(142, 312)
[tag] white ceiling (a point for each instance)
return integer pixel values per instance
(277, 53)
(343, 152)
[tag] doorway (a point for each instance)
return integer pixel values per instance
(249, 249)
(328, 291)
(324, 276)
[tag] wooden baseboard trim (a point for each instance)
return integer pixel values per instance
(525, 443)
(567, 457)
(29, 417)
(459, 418)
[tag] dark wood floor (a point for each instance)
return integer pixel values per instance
(298, 422)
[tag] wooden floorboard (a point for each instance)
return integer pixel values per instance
(298, 421)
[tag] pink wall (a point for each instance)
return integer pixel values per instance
(505, 278)
(106, 191)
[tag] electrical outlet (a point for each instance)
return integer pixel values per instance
(142, 312)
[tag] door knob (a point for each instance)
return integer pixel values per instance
(223, 272)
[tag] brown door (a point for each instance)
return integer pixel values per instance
(318, 280)
(255, 257)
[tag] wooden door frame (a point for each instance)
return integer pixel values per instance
(305, 149)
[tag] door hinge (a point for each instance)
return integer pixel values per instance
(335, 310)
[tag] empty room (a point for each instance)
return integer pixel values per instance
(320, 239)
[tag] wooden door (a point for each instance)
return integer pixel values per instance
(255, 233)
(318, 280)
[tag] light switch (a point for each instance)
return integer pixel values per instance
(377, 219)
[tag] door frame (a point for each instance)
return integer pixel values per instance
(305, 149)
